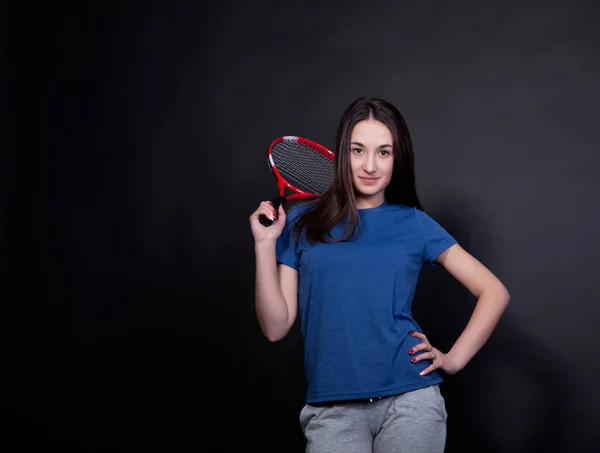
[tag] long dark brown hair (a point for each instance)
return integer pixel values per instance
(339, 202)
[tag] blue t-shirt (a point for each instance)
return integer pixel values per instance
(354, 301)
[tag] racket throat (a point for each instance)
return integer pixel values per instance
(279, 201)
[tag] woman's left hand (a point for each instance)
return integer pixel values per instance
(439, 359)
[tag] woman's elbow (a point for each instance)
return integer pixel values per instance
(501, 293)
(274, 334)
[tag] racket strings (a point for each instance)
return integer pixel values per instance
(298, 180)
(315, 184)
(301, 182)
(303, 167)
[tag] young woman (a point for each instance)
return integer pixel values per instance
(349, 262)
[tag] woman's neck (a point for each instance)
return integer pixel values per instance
(370, 202)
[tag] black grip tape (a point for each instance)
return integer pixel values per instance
(279, 201)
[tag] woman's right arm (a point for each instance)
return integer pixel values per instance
(276, 286)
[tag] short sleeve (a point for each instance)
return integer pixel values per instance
(436, 239)
(286, 248)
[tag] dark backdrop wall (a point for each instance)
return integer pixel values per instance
(130, 320)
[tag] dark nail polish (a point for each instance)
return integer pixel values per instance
(413, 360)
(411, 351)
(411, 332)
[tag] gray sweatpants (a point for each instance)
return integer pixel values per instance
(406, 423)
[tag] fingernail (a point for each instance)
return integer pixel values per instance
(411, 351)
(413, 360)
(411, 332)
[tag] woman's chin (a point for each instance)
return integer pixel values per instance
(369, 192)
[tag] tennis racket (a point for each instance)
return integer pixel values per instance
(302, 166)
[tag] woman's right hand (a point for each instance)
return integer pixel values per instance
(262, 233)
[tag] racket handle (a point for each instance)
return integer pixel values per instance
(264, 220)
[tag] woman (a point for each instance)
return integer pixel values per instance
(349, 262)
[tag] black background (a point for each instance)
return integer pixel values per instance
(140, 132)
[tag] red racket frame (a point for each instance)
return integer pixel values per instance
(281, 182)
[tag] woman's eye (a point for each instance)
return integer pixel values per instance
(356, 150)
(384, 152)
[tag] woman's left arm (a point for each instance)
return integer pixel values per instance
(492, 299)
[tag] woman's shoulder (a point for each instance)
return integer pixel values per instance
(296, 208)
(401, 209)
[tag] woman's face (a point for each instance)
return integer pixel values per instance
(371, 162)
